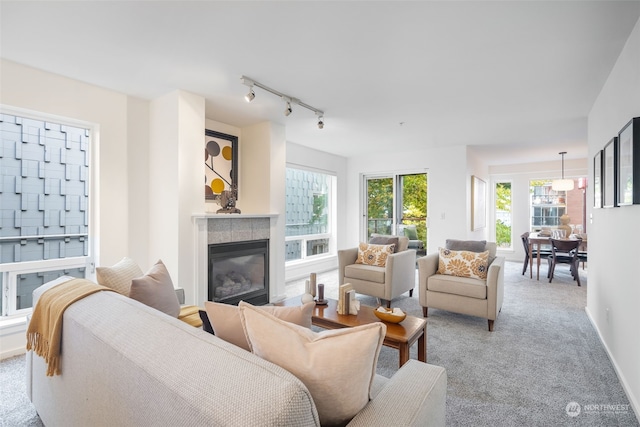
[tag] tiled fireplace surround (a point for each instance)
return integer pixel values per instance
(226, 228)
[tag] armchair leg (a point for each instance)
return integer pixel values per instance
(411, 292)
(490, 325)
(388, 302)
(424, 311)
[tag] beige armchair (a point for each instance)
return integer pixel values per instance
(464, 295)
(386, 283)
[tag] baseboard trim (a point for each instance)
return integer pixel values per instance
(635, 404)
(13, 332)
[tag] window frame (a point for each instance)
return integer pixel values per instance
(331, 236)
(9, 272)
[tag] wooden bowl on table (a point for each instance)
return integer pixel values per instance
(388, 316)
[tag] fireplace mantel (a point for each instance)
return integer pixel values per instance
(212, 215)
(212, 228)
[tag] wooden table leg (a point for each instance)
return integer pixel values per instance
(538, 272)
(403, 349)
(530, 260)
(422, 346)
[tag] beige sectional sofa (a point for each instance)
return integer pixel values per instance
(127, 364)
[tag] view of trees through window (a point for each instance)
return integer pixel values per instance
(503, 214)
(410, 207)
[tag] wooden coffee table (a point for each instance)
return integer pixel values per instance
(399, 335)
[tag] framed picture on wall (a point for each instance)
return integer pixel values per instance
(220, 164)
(478, 203)
(628, 164)
(609, 173)
(597, 180)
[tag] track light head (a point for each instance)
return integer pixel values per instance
(286, 98)
(250, 96)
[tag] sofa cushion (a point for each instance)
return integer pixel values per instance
(466, 245)
(464, 286)
(403, 241)
(473, 246)
(369, 273)
(463, 263)
(118, 277)
(374, 254)
(338, 373)
(226, 324)
(155, 289)
(385, 240)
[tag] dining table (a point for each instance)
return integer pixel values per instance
(535, 239)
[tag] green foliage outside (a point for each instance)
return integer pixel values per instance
(380, 204)
(503, 205)
(503, 234)
(319, 214)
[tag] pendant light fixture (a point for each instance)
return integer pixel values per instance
(562, 184)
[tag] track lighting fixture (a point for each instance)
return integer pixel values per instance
(249, 97)
(288, 109)
(288, 99)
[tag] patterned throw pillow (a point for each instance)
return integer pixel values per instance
(374, 254)
(463, 263)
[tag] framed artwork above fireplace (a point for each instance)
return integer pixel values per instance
(221, 164)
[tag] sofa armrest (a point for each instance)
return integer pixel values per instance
(495, 287)
(427, 266)
(400, 274)
(345, 257)
(415, 396)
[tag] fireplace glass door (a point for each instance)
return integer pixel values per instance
(239, 272)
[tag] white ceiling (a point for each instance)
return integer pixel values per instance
(516, 79)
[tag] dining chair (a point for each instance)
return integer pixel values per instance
(564, 252)
(525, 243)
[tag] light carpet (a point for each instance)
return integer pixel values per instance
(543, 355)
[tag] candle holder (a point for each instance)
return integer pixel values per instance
(321, 300)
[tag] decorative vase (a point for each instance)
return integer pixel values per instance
(306, 298)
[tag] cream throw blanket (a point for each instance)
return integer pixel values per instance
(44, 335)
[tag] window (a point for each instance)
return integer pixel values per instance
(547, 205)
(44, 206)
(503, 215)
(309, 222)
(396, 203)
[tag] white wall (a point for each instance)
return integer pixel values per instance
(613, 296)
(448, 187)
(138, 171)
(476, 167)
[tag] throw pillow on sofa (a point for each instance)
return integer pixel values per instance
(463, 263)
(118, 277)
(337, 366)
(376, 255)
(227, 325)
(155, 289)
